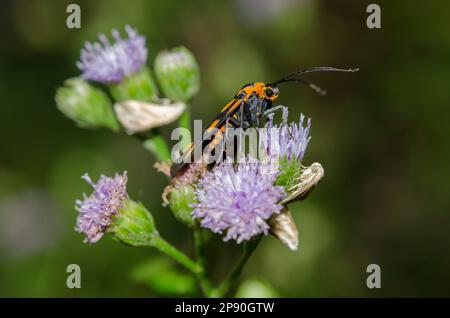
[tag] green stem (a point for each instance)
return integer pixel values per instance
(163, 246)
(231, 279)
(202, 275)
(185, 122)
(185, 118)
(157, 145)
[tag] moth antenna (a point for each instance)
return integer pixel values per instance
(293, 76)
(313, 86)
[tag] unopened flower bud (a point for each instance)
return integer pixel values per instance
(178, 74)
(181, 199)
(133, 224)
(86, 105)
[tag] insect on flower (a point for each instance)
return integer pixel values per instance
(250, 105)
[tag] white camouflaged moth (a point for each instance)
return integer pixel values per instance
(137, 116)
(282, 225)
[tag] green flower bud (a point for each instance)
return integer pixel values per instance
(138, 86)
(86, 105)
(178, 74)
(133, 224)
(290, 171)
(180, 202)
(256, 288)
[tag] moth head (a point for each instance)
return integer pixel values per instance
(271, 91)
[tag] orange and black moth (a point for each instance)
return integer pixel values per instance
(249, 106)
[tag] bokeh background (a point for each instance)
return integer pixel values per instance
(382, 135)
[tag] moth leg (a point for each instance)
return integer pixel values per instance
(272, 110)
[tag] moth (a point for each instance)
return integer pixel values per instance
(251, 103)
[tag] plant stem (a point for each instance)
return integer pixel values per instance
(185, 122)
(228, 283)
(157, 145)
(163, 246)
(202, 275)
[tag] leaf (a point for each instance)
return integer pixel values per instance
(256, 288)
(160, 275)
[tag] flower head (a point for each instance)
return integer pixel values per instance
(238, 199)
(110, 63)
(178, 74)
(287, 140)
(96, 211)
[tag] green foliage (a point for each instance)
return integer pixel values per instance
(161, 276)
(256, 288)
(156, 144)
(372, 131)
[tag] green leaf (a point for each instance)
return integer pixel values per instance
(256, 288)
(160, 275)
(157, 145)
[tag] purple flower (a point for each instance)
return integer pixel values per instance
(238, 199)
(286, 141)
(96, 211)
(110, 63)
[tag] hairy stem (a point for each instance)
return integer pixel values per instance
(185, 122)
(163, 246)
(231, 279)
(202, 275)
(157, 145)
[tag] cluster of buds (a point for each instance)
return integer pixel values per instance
(239, 200)
(121, 67)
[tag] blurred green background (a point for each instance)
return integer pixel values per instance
(381, 134)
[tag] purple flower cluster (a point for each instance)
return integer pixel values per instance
(110, 63)
(287, 140)
(238, 199)
(96, 211)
